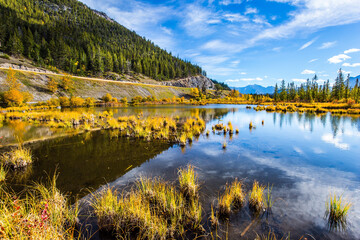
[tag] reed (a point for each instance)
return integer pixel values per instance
(336, 211)
(256, 199)
(188, 181)
(3, 173)
(251, 125)
(152, 209)
(224, 145)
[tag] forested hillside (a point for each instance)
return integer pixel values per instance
(66, 34)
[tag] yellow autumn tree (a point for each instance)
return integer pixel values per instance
(14, 97)
(67, 83)
(52, 85)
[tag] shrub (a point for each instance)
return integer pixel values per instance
(76, 102)
(52, 85)
(64, 101)
(90, 102)
(107, 98)
(13, 98)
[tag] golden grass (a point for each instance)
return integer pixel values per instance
(42, 213)
(17, 157)
(232, 199)
(336, 211)
(152, 209)
(188, 181)
(256, 198)
(3, 173)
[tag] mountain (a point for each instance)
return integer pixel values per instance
(70, 36)
(352, 81)
(255, 89)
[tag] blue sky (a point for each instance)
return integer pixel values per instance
(243, 42)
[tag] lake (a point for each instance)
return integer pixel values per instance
(305, 157)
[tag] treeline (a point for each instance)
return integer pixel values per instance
(311, 91)
(66, 34)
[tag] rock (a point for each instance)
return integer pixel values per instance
(192, 82)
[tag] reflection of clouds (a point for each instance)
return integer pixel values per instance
(298, 150)
(336, 141)
(307, 200)
(318, 150)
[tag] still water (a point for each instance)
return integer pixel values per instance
(305, 157)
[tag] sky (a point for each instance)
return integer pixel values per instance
(242, 42)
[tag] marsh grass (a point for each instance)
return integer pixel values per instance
(152, 209)
(224, 145)
(336, 212)
(256, 198)
(40, 213)
(268, 200)
(188, 182)
(233, 198)
(3, 173)
(17, 157)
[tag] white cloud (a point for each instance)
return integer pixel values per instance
(243, 73)
(351, 65)
(251, 10)
(326, 45)
(299, 80)
(228, 2)
(312, 16)
(198, 20)
(244, 79)
(307, 44)
(235, 17)
(338, 58)
(352, 50)
(218, 45)
(261, 20)
(313, 60)
(307, 71)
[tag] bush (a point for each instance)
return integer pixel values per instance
(13, 98)
(107, 98)
(76, 102)
(52, 85)
(64, 101)
(90, 102)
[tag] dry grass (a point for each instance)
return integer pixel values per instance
(188, 181)
(3, 173)
(42, 213)
(17, 157)
(256, 198)
(153, 209)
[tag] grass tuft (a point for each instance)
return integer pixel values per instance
(189, 185)
(17, 157)
(336, 211)
(256, 199)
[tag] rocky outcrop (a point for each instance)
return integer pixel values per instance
(192, 82)
(25, 68)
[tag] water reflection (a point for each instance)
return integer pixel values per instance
(303, 155)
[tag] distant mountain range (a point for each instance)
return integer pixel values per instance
(258, 89)
(353, 80)
(255, 89)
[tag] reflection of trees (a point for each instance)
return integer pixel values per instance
(355, 122)
(309, 118)
(84, 162)
(282, 115)
(335, 123)
(323, 118)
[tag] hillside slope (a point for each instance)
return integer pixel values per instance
(36, 84)
(72, 37)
